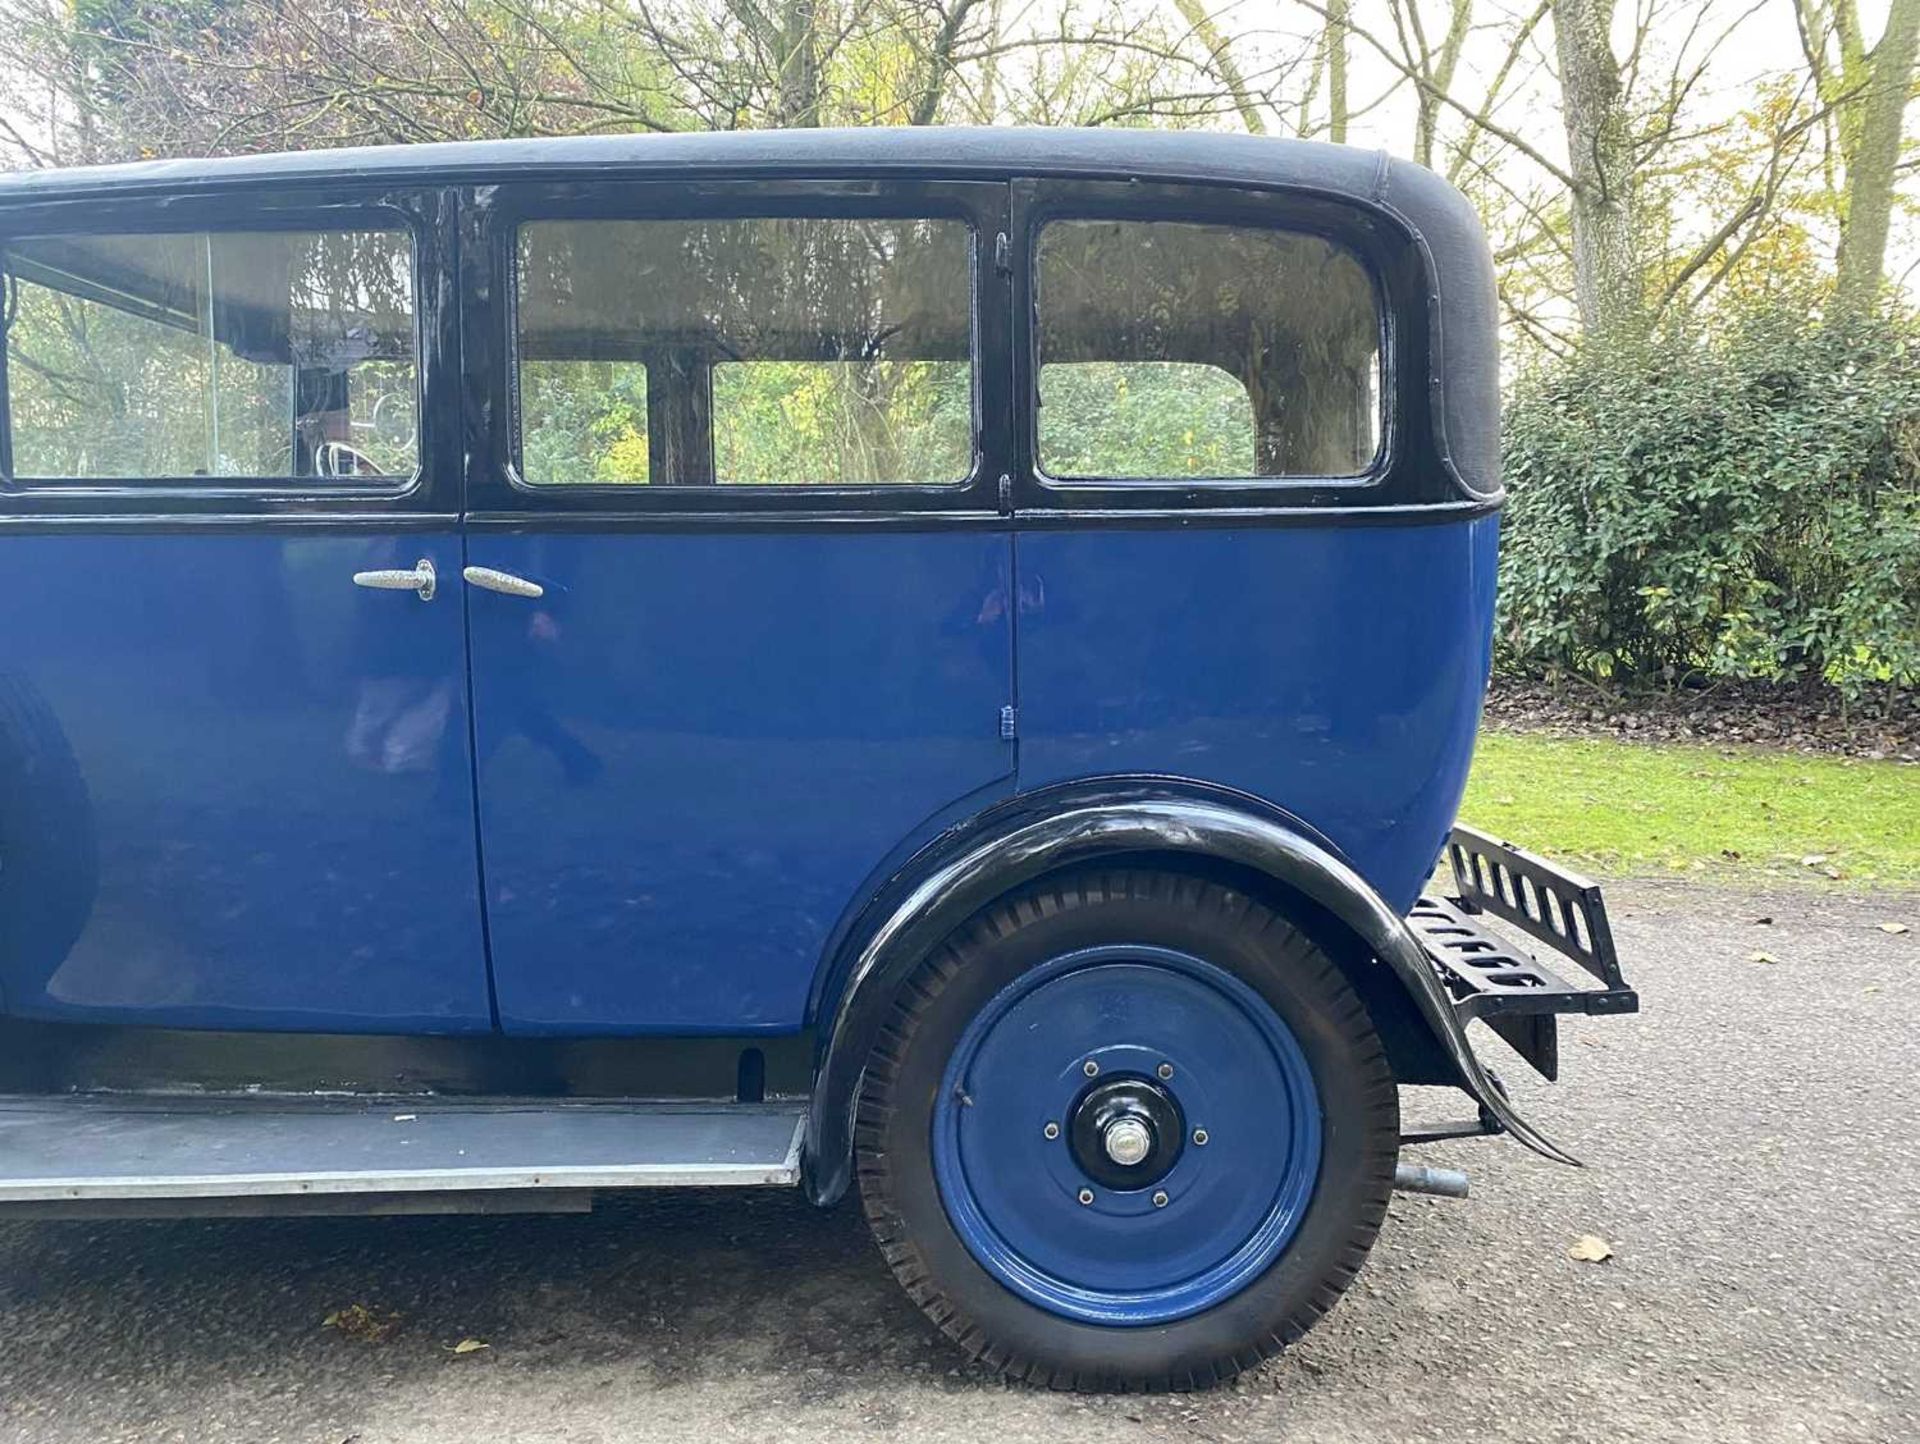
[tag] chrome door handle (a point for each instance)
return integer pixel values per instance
(419, 580)
(506, 583)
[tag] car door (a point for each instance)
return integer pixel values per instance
(740, 623)
(235, 774)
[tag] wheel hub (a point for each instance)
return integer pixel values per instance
(1126, 1133)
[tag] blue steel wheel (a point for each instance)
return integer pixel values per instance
(1127, 1130)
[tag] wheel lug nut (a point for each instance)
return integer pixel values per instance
(1199, 1137)
(1160, 1200)
(1052, 1130)
(1165, 1070)
(1090, 1068)
(1086, 1195)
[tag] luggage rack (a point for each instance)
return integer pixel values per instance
(1508, 989)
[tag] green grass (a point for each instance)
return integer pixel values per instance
(1625, 807)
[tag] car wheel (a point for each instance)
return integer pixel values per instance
(1126, 1130)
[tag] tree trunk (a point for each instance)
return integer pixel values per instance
(1220, 60)
(799, 61)
(1872, 167)
(940, 62)
(1439, 81)
(1606, 259)
(989, 88)
(1336, 37)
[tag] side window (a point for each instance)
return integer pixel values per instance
(1172, 350)
(787, 351)
(254, 355)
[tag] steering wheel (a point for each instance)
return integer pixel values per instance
(340, 458)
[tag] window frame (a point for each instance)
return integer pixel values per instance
(1405, 471)
(424, 214)
(490, 226)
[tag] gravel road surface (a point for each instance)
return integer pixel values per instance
(1751, 1142)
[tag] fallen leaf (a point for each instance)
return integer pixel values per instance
(357, 1321)
(471, 1346)
(1761, 957)
(1590, 1248)
(1895, 928)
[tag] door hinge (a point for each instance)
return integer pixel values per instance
(1003, 254)
(1009, 724)
(1006, 493)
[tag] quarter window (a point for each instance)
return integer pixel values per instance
(1172, 350)
(242, 354)
(789, 351)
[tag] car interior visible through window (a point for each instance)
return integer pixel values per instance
(251, 355)
(1171, 350)
(788, 351)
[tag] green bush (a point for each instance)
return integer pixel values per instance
(1740, 503)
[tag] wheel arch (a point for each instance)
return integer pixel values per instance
(1169, 822)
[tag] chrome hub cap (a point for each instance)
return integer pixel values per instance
(1128, 1141)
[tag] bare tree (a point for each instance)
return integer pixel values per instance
(1220, 59)
(1602, 161)
(1873, 88)
(1339, 21)
(1433, 65)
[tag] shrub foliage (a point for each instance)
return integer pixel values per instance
(1736, 503)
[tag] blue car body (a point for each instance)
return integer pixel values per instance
(655, 802)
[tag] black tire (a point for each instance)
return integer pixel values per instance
(1360, 1132)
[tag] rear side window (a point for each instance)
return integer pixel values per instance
(265, 355)
(787, 351)
(1171, 350)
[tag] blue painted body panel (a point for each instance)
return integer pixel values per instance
(1336, 671)
(695, 753)
(695, 749)
(239, 787)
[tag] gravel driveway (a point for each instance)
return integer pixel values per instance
(1750, 1137)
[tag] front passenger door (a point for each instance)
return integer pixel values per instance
(235, 787)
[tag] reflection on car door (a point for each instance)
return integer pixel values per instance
(237, 784)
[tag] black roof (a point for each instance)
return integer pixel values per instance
(1437, 217)
(956, 152)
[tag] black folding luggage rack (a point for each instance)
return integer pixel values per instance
(1490, 979)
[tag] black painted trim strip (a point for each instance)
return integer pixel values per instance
(1136, 519)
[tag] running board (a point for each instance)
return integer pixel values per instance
(92, 1148)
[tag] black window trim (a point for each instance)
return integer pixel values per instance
(423, 213)
(1405, 473)
(491, 218)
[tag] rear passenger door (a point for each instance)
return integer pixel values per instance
(740, 626)
(235, 787)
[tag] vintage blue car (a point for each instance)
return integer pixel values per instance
(944, 658)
